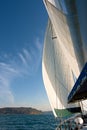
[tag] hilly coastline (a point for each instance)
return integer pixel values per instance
(19, 110)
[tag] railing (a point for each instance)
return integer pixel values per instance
(69, 124)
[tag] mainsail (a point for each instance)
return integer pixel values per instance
(63, 55)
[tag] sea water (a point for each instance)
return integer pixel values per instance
(28, 122)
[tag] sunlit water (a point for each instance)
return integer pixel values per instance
(28, 122)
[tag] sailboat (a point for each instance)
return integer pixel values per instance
(64, 66)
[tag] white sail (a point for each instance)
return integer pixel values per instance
(63, 55)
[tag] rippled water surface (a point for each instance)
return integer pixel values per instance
(28, 122)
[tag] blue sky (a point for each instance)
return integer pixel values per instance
(22, 28)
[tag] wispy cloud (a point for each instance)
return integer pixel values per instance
(6, 75)
(26, 62)
(38, 44)
(23, 59)
(27, 54)
(30, 58)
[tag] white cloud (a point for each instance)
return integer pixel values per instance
(6, 74)
(39, 44)
(23, 59)
(25, 62)
(30, 58)
(27, 54)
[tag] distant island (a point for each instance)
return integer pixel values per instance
(19, 110)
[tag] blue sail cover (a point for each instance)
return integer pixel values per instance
(79, 91)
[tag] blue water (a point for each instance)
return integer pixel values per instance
(28, 122)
